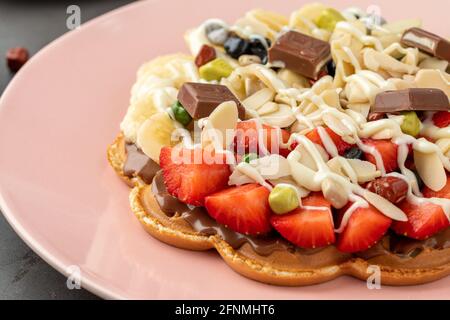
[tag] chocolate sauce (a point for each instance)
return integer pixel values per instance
(406, 247)
(410, 247)
(200, 221)
(138, 163)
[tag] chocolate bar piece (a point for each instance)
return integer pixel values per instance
(139, 164)
(415, 99)
(301, 53)
(427, 42)
(200, 99)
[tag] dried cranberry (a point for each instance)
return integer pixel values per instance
(374, 116)
(322, 73)
(16, 58)
(392, 189)
(205, 55)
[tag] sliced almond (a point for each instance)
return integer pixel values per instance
(383, 134)
(258, 99)
(430, 169)
(268, 108)
(444, 145)
(331, 98)
(252, 85)
(387, 208)
(283, 117)
(291, 79)
(334, 193)
(303, 175)
(221, 125)
(336, 125)
(247, 59)
(273, 166)
(433, 79)
(307, 160)
(375, 60)
(302, 192)
(365, 170)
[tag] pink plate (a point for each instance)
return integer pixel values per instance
(62, 110)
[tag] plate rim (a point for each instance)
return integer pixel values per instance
(89, 282)
(59, 265)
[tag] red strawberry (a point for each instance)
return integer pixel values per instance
(387, 150)
(246, 139)
(244, 209)
(441, 119)
(194, 175)
(443, 193)
(341, 145)
(364, 228)
(424, 220)
(305, 227)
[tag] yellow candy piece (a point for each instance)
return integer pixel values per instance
(328, 19)
(215, 70)
(283, 199)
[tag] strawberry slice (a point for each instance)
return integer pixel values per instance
(306, 227)
(194, 175)
(441, 119)
(424, 220)
(244, 209)
(443, 193)
(314, 136)
(247, 136)
(387, 150)
(364, 228)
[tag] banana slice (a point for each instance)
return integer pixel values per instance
(160, 66)
(154, 101)
(156, 89)
(156, 133)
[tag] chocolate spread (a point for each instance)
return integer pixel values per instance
(137, 163)
(200, 221)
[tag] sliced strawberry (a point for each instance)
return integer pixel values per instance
(244, 209)
(194, 175)
(443, 193)
(341, 145)
(364, 228)
(247, 137)
(387, 150)
(305, 227)
(424, 220)
(441, 119)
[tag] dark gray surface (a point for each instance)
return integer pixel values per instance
(33, 24)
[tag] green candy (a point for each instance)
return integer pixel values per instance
(215, 70)
(328, 19)
(411, 123)
(249, 157)
(283, 199)
(180, 114)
